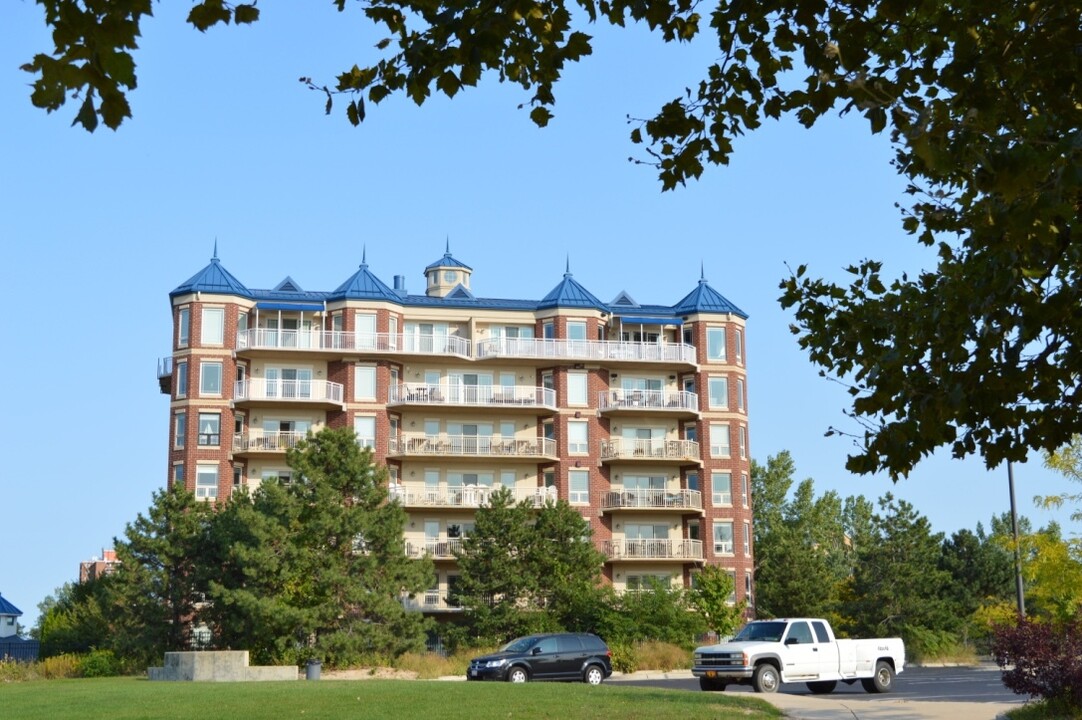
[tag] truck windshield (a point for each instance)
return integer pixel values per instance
(767, 631)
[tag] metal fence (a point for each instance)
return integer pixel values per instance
(19, 650)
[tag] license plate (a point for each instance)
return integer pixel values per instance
(710, 673)
(473, 673)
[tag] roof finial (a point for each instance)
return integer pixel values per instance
(214, 258)
(702, 273)
(447, 248)
(364, 255)
(567, 266)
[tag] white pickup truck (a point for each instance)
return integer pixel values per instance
(767, 653)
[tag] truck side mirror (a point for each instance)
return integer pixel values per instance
(792, 641)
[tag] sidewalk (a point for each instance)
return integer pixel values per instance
(837, 707)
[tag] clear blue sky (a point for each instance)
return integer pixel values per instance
(226, 144)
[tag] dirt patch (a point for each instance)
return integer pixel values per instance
(379, 673)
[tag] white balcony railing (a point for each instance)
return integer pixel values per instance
(288, 390)
(653, 549)
(439, 548)
(266, 339)
(652, 500)
(428, 601)
(266, 440)
(471, 395)
(648, 400)
(634, 449)
(600, 350)
(470, 446)
(465, 496)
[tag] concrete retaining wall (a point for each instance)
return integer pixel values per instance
(217, 666)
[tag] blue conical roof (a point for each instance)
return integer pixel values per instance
(363, 285)
(569, 293)
(213, 279)
(708, 300)
(448, 261)
(7, 608)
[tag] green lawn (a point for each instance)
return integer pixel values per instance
(131, 698)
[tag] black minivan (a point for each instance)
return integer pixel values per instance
(552, 656)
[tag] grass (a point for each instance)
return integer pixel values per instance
(1044, 711)
(137, 698)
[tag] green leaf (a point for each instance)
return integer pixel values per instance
(87, 116)
(245, 14)
(540, 116)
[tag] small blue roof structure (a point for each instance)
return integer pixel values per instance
(363, 285)
(706, 299)
(212, 279)
(7, 608)
(569, 293)
(448, 261)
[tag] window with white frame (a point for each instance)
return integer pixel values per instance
(722, 488)
(206, 481)
(576, 330)
(747, 587)
(739, 345)
(210, 429)
(507, 478)
(210, 378)
(719, 392)
(364, 382)
(744, 484)
(281, 476)
(579, 487)
(182, 379)
(180, 429)
(740, 394)
(578, 439)
(365, 427)
(742, 434)
(638, 583)
(432, 428)
(732, 596)
(693, 480)
(576, 388)
(747, 540)
(723, 537)
(178, 474)
(213, 329)
(184, 326)
(719, 440)
(715, 344)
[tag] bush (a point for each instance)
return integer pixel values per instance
(433, 665)
(58, 667)
(13, 671)
(922, 644)
(99, 663)
(649, 655)
(1045, 660)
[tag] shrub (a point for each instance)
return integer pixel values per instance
(624, 658)
(654, 655)
(1044, 660)
(433, 665)
(99, 663)
(14, 671)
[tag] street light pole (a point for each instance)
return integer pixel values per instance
(1017, 550)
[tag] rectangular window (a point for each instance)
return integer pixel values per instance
(548, 330)
(213, 330)
(578, 438)
(180, 429)
(178, 475)
(547, 381)
(739, 394)
(723, 537)
(576, 330)
(576, 388)
(742, 433)
(719, 440)
(282, 477)
(184, 326)
(206, 482)
(365, 427)
(210, 428)
(719, 393)
(210, 378)
(715, 345)
(364, 382)
(722, 486)
(744, 484)
(693, 481)
(747, 540)
(738, 342)
(182, 379)
(579, 485)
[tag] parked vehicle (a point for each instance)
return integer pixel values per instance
(551, 656)
(767, 653)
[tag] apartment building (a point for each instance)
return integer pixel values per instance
(635, 414)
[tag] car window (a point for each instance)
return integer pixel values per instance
(593, 643)
(799, 632)
(821, 633)
(768, 631)
(569, 643)
(519, 645)
(546, 645)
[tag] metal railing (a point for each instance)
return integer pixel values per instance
(655, 548)
(439, 548)
(430, 600)
(652, 499)
(465, 496)
(165, 366)
(408, 343)
(471, 395)
(647, 400)
(635, 449)
(266, 440)
(288, 390)
(585, 350)
(470, 445)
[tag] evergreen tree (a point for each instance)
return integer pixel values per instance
(74, 621)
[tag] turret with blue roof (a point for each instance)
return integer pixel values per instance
(448, 276)
(705, 299)
(212, 279)
(569, 293)
(8, 614)
(364, 285)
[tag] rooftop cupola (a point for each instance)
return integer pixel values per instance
(444, 275)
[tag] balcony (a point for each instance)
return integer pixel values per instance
(429, 601)
(680, 501)
(606, 352)
(654, 549)
(681, 452)
(471, 446)
(466, 496)
(256, 391)
(435, 548)
(505, 398)
(337, 342)
(678, 403)
(265, 441)
(165, 375)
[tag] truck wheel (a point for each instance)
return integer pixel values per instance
(711, 685)
(882, 681)
(517, 675)
(766, 679)
(822, 687)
